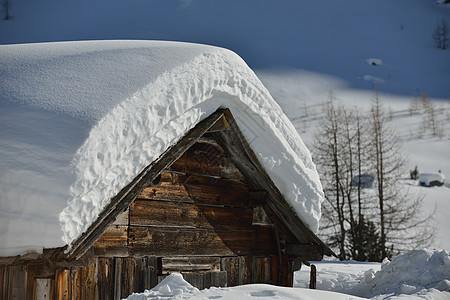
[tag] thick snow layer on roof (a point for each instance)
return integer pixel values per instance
(79, 120)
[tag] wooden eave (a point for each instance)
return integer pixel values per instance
(223, 128)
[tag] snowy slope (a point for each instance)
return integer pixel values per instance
(79, 135)
(329, 37)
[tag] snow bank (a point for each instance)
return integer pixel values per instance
(172, 286)
(84, 118)
(415, 272)
(175, 287)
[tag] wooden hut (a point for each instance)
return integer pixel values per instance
(206, 208)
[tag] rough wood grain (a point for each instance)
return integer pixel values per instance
(165, 241)
(200, 189)
(105, 278)
(63, 285)
(231, 266)
(113, 242)
(164, 213)
(190, 264)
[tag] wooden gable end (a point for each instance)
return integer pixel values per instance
(202, 197)
(202, 206)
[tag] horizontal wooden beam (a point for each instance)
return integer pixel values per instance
(305, 252)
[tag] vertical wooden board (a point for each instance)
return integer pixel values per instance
(42, 289)
(2, 283)
(75, 289)
(274, 270)
(195, 279)
(105, 278)
(217, 279)
(245, 269)
(89, 282)
(117, 278)
(128, 270)
(153, 268)
(62, 285)
(266, 266)
(138, 283)
(258, 270)
(30, 283)
(286, 276)
(231, 266)
(18, 282)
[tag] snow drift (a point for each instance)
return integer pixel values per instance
(416, 272)
(82, 119)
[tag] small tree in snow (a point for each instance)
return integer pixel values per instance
(362, 222)
(441, 34)
(400, 225)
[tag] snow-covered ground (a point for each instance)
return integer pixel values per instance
(421, 274)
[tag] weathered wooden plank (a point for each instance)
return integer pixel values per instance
(118, 263)
(150, 212)
(217, 279)
(2, 282)
(230, 265)
(105, 277)
(202, 190)
(63, 284)
(137, 284)
(286, 275)
(113, 242)
(128, 272)
(246, 269)
(17, 281)
(185, 241)
(195, 279)
(42, 289)
(127, 195)
(263, 240)
(76, 283)
(305, 252)
(89, 282)
(208, 159)
(190, 264)
(274, 270)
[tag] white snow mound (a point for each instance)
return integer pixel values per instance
(172, 286)
(82, 119)
(409, 274)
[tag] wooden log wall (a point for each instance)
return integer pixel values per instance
(202, 207)
(105, 278)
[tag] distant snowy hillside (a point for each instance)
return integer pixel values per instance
(329, 37)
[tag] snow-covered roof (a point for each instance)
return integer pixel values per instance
(427, 178)
(80, 120)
